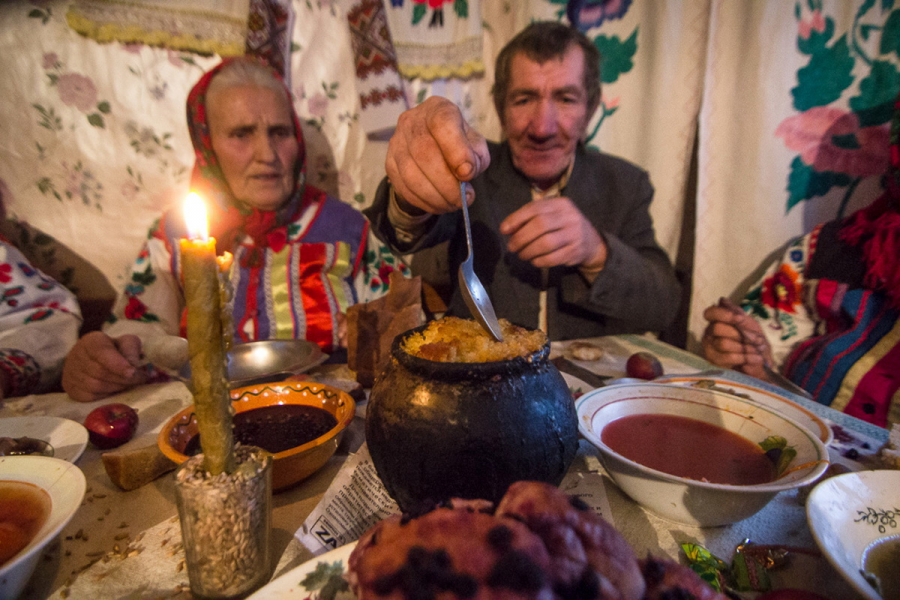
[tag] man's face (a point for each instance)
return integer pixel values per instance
(253, 137)
(545, 114)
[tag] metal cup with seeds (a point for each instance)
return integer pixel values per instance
(225, 523)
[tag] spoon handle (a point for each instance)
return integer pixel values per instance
(465, 212)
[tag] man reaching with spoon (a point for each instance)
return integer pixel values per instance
(563, 236)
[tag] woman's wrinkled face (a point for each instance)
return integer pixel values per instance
(545, 114)
(253, 137)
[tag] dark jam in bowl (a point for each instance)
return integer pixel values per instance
(689, 448)
(276, 428)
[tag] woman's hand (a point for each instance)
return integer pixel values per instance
(734, 340)
(98, 366)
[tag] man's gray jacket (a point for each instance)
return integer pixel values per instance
(634, 293)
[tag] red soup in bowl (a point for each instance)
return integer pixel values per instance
(689, 448)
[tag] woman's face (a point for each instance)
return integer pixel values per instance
(253, 138)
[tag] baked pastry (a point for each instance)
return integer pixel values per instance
(583, 545)
(667, 579)
(537, 544)
(449, 553)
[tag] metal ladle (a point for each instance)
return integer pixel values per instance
(472, 291)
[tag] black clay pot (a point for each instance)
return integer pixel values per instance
(438, 430)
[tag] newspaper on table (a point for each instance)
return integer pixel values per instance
(357, 499)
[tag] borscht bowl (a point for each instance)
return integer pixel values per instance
(695, 456)
(39, 495)
(300, 423)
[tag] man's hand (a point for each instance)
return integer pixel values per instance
(554, 232)
(431, 151)
(734, 340)
(98, 366)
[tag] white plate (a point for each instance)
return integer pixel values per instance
(298, 584)
(763, 396)
(847, 513)
(67, 437)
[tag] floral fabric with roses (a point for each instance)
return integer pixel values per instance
(830, 333)
(39, 322)
(321, 262)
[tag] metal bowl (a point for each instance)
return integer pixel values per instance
(271, 360)
(267, 361)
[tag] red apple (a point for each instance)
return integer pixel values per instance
(111, 425)
(643, 365)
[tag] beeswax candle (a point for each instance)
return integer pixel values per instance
(212, 401)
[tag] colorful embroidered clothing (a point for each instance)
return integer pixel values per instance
(831, 333)
(327, 262)
(39, 322)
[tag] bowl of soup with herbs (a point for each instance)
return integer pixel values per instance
(696, 456)
(300, 423)
(39, 495)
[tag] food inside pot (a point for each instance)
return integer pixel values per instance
(452, 339)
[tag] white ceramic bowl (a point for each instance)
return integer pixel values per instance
(689, 501)
(850, 512)
(65, 483)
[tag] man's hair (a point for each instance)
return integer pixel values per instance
(540, 42)
(244, 72)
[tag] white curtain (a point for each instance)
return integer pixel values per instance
(751, 130)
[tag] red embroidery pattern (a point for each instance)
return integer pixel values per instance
(370, 37)
(376, 97)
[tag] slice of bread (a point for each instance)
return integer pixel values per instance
(584, 351)
(134, 467)
(890, 452)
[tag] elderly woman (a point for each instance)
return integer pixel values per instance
(827, 313)
(301, 257)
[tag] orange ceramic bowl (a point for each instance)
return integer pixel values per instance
(292, 465)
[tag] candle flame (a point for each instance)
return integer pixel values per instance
(195, 217)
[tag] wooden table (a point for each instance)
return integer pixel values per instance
(127, 542)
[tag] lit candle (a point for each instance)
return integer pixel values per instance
(212, 401)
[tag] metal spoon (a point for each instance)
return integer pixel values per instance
(473, 292)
